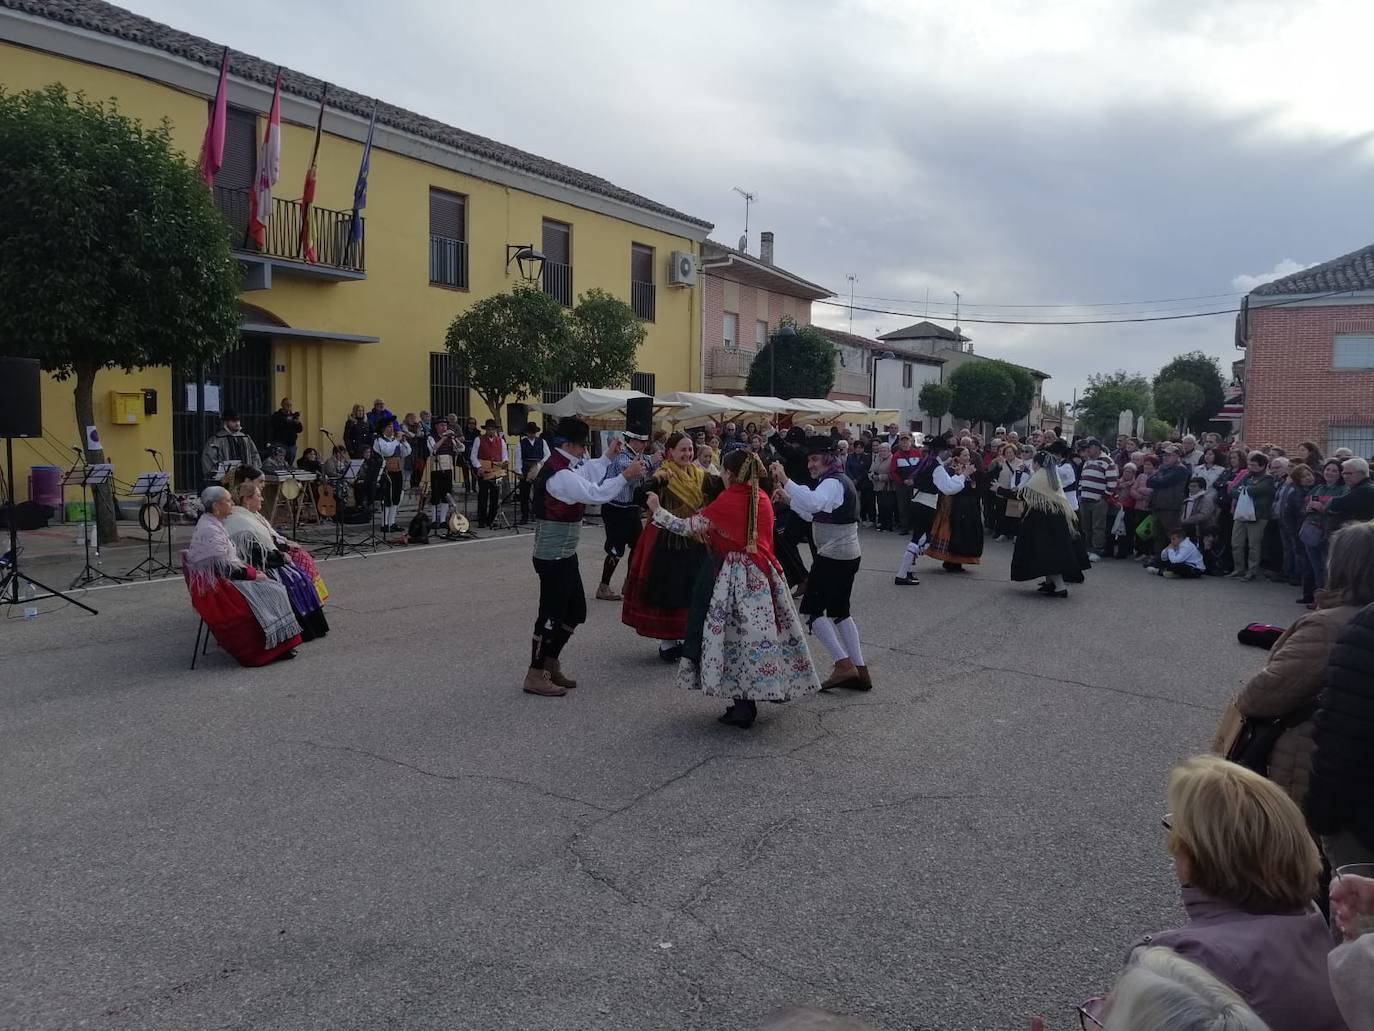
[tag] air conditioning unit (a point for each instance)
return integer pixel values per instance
(682, 269)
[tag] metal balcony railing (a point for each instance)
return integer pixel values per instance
(729, 361)
(448, 262)
(643, 300)
(558, 282)
(847, 382)
(328, 230)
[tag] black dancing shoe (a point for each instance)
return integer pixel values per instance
(1063, 592)
(672, 654)
(1045, 588)
(906, 581)
(740, 714)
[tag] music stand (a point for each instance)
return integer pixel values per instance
(225, 468)
(89, 476)
(151, 487)
(9, 583)
(342, 544)
(511, 498)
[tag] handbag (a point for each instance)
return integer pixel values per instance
(1015, 508)
(1245, 507)
(1146, 528)
(1119, 523)
(1254, 741)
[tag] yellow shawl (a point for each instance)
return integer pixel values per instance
(683, 494)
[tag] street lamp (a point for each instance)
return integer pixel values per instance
(527, 259)
(878, 356)
(785, 330)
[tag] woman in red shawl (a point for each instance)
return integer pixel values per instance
(744, 639)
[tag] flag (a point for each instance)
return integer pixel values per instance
(305, 246)
(269, 167)
(212, 147)
(355, 225)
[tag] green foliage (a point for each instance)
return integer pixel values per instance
(1108, 395)
(112, 254)
(805, 366)
(605, 337)
(1023, 392)
(981, 391)
(935, 399)
(1177, 399)
(1157, 430)
(510, 345)
(1204, 372)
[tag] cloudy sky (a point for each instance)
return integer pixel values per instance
(1019, 152)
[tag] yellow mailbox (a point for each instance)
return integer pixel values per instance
(126, 407)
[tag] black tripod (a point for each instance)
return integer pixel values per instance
(89, 574)
(9, 583)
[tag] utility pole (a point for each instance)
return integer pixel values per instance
(749, 198)
(852, 280)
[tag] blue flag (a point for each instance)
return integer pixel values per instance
(355, 226)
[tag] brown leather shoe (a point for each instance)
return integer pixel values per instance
(555, 671)
(864, 683)
(537, 682)
(841, 678)
(604, 593)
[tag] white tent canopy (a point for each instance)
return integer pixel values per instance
(592, 403)
(721, 406)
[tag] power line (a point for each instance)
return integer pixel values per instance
(1065, 304)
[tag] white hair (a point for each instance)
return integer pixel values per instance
(212, 495)
(1356, 465)
(1161, 989)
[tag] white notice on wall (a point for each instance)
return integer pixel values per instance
(211, 397)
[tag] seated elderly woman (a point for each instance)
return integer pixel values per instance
(1248, 869)
(249, 614)
(259, 544)
(1160, 989)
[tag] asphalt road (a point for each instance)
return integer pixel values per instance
(387, 833)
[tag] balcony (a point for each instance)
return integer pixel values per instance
(558, 282)
(448, 262)
(854, 385)
(335, 259)
(727, 369)
(643, 300)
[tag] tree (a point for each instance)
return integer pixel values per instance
(805, 365)
(1177, 399)
(935, 399)
(605, 337)
(1023, 392)
(510, 345)
(1107, 396)
(112, 254)
(982, 391)
(1156, 430)
(1203, 371)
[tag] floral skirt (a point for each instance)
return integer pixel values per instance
(746, 640)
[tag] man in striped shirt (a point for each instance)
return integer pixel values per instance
(1096, 483)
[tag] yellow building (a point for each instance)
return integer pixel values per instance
(444, 210)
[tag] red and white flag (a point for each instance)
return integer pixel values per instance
(269, 167)
(212, 146)
(305, 244)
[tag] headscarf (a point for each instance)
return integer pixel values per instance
(1044, 493)
(743, 494)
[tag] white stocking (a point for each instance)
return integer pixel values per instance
(824, 628)
(849, 632)
(913, 552)
(441, 513)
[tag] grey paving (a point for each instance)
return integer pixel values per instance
(387, 833)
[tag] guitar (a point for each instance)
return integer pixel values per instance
(327, 504)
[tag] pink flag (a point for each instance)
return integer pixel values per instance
(212, 147)
(269, 166)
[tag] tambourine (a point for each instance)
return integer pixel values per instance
(458, 523)
(150, 517)
(290, 489)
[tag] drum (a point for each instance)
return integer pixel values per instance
(150, 517)
(290, 489)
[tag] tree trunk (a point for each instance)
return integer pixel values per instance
(107, 531)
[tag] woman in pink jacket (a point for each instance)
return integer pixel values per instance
(1140, 496)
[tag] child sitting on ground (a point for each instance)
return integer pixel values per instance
(1181, 560)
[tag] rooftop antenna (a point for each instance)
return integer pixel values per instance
(852, 280)
(749, 198)
(957, 334)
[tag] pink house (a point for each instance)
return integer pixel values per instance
(745, 299)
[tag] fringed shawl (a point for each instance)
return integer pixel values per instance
(211, 558)
(683, 494)
(1043, 493)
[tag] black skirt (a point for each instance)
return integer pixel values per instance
(673, 569)
(1045, 546)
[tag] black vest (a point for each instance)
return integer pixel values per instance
(531, 453)
(848, 510)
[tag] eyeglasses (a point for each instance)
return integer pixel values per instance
(1086, 1021)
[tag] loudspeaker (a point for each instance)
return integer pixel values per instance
(21, 403)
(639, 416)
(516, 417)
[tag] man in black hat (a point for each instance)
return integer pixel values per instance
(621, 515)
(490, 460)
(832, 509)
(229, 444)
(446, 451)
(531, 453)
(566, 484)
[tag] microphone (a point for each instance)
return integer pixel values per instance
(152, 451)
(78, 450)
(324, 431)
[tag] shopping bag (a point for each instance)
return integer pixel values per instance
(1146, 528)
(1245, 507)
(1119, 524)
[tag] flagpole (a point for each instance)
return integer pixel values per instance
(355, 229)
(305, 245)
